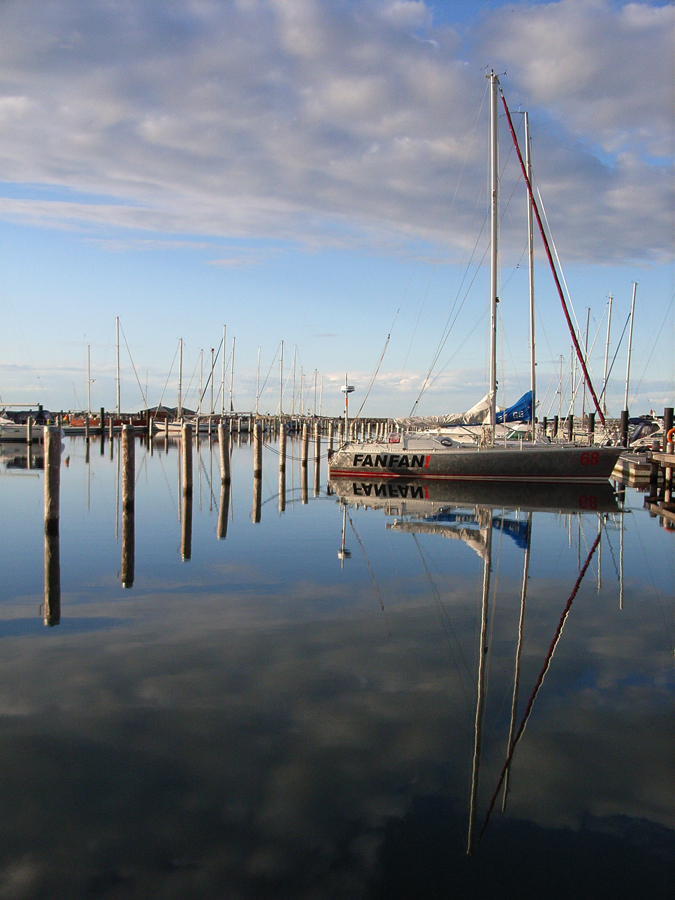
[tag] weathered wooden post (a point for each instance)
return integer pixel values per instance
(623, 428)
(86, 427)
(304, 452)
(101, 421)
(187, 458)
(128, 505)
(29, 432)
(667, 425)
(556, 426)
(52, 453)
(317, 458)
(224, 447)
(257, 471)
(591, 427)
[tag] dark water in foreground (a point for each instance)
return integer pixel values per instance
(276, 717)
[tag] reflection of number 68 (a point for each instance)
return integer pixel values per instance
(590, 459)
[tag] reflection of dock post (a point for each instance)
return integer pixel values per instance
(128, 505)
(186, 532)
(52, 453)
(224, 445)
(317, 458)
(224, 510)
(282, 467)
(257, 471)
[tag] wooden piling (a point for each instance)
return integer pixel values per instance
(187, 458)
(317, 458)
(224, 446)
(101, 421)
(624, 428)
(667, 425)
(52, 453)
(304, 452)
(29, 432)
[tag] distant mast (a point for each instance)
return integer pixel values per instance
(117, 346)
(530, 257)
(179, 410)
(630, 344)
(494, 229)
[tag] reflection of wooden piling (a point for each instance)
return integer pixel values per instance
(282, 467)
(52, 454)
(186, 531)
(52, 607)
(317, 458)
(224, 445)
(224, 510)
(128, 505)
(257, 471)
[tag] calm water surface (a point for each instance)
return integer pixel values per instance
(318, 704)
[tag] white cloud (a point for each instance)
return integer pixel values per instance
(332, 123)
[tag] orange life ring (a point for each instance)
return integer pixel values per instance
(670, 437)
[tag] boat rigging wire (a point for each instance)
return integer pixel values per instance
(544, 238)
(168, 376)
(133, 366)
(540, 681)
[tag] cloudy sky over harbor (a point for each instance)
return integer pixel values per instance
(314, 171)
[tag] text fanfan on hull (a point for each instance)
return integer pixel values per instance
(438, 455)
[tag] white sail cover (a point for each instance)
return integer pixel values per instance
(477, 415)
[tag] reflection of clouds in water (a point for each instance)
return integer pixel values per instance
(266, 746)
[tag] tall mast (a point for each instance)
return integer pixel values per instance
(583, 395)
(494, 228)
(222, 377)
(530, 257)
(179, 410)
(232, 376)
(89, 381)
(201, 378)
(604, 371)
(213, 362)
(295, 351)
(630, 344)
(117, 346)
(281, 379)
(257, 384)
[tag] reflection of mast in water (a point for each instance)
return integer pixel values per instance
(482, 668)
(343, 553)
(516, 675)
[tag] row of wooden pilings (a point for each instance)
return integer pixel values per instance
(52, 455)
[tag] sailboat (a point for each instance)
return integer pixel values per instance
(441, 455)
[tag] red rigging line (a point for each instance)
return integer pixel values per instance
(551, 263)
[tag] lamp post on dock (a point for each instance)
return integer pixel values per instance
(347, 389)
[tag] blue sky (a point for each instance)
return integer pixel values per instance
(314, 171)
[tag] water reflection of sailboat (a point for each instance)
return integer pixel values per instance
(467, 512)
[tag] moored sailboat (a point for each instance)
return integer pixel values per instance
(440, 454)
